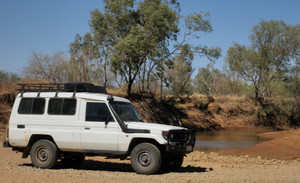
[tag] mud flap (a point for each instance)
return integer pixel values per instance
(6, 144)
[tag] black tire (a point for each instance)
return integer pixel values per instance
(145, 158)
(73, 161)
(44, 154)
(172, 162)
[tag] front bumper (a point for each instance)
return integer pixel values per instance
(180, 141)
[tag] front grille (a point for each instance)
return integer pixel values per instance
(184, 136)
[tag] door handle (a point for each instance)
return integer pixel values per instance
(20, 126)
(87, 128)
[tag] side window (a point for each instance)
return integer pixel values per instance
(32, 106)
(69, 107)
(97, 112)
(62, 106)
(55, 106)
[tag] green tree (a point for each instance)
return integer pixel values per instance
(210, 81)
(157, 66)
(8, 77)
(82, 64)
(293, 86)
(134, 38)
(154, 23)
(103, 37)
(203, 80)
(274, 46)
(8, 81)
(235, 85)
(179, 75)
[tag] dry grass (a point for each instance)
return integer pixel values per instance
(227, 111)
(7, 87)
(12, 87)
(5, 111)
(116, 92)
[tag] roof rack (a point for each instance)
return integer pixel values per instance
(60, 87)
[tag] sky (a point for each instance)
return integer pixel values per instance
(49, 26)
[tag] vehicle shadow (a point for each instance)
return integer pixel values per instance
(93, 165)
(192, 169)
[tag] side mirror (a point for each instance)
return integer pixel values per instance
(106, 119)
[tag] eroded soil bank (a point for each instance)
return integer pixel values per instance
(198, 112)
(284, 145)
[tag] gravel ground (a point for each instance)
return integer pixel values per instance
(254, 164)
(197, 167)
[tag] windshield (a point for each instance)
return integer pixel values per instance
(126, 111)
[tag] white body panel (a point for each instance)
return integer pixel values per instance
(72, 132)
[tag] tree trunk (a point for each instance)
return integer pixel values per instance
(105, 75)
(257, 97)
(161, 90)
(130, 82)
(143, 78)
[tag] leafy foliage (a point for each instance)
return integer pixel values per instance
(209, 80)
(135, 38)
(274, 46)
(179, 75)
(8, 82)
(8, 77)
(83, 53)
(271, 65)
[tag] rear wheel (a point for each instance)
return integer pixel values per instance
(145, 158)
(44, 154)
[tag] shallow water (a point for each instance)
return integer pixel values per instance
(224, 140)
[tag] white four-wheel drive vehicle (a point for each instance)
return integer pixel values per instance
(70, 121)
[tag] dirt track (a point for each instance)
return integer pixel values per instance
(255, 164)
(198, 167)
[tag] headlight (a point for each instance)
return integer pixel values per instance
(171, 136)
(167, 134)
(188, 138)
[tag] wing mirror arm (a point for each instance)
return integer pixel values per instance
(106, 119)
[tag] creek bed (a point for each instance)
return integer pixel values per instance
(215, 141)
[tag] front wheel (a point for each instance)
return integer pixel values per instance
(145, 158)
(44, 154)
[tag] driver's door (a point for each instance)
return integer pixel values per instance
(97, 135)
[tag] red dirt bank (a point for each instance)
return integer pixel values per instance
(285, 145)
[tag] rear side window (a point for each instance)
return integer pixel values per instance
(32, 106)
(97, 112)
(62, 106)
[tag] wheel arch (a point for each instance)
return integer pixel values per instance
(136, 141)
(34, 138)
